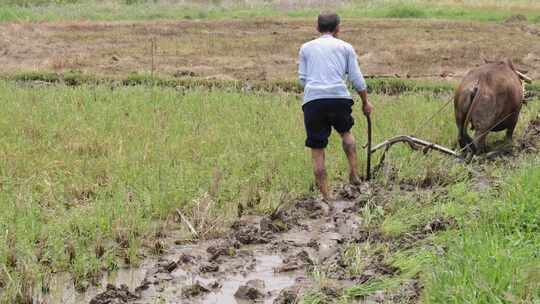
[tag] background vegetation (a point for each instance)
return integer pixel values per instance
(41, 10)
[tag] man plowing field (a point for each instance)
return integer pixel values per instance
(324, 65)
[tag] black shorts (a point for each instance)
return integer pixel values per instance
(321, 115)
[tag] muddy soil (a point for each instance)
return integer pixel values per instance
(529, 140)
(270, 259)
(262, 259)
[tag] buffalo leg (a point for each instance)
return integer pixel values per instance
(464, 139)
(508, 141)
(480, 141)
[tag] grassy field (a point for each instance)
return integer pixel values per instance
(55, 10)
(494, 259)
(91, 174)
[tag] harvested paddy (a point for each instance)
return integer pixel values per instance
(262, 48)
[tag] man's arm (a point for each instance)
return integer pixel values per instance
(358, 81)
(367, 108)
(302, 67)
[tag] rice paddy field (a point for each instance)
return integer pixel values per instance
(97, 161)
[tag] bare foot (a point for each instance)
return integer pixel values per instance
(327, 202)
(329, 198)
(355, 180)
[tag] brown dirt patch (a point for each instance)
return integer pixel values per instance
(531, 136)
(260, 49)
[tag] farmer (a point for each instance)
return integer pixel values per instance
(324, 64)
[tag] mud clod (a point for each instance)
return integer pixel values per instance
(313, 243)
(288, 296)
(209, 267)
(515, 19)
(335, 267)
(251, 235)
(438, 224)
(377, 297)
(215, 285)
(145, 284)
(225, 248)
(185, 259)
(382, 268)
(194, 290)
(310, 205)
(114, 295)
(276, 225)
(331, 291)
(359, 193)
(301, 260)
(184, 73)
(408, 292)
(252, 291)
(249, 231)
(529, 141)
(171, 266)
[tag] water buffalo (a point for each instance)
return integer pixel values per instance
(489, 98)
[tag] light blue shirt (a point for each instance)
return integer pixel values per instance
(324, 64)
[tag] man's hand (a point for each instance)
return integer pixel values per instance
(367, 108)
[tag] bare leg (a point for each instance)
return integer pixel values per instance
(349, 147)
(319, 170)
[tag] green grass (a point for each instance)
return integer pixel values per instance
(495, 258)
(387, 86)
(491, 256)
(53, 10)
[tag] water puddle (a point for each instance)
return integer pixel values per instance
(264, 271)
(230, 282)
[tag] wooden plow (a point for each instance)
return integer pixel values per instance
(413, 142)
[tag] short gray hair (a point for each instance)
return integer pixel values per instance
(328, 22)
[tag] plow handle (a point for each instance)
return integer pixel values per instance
(368, 150)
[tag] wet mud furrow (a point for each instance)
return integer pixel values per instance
(272, 259)
(263, 259)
